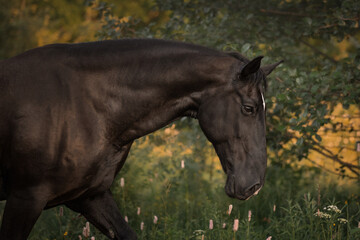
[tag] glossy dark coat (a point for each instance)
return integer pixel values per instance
(70, 112)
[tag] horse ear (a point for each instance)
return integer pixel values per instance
(269, 68)
(251, 67)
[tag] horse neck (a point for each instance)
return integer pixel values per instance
(159, 91)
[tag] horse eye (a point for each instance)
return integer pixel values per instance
(248, 109)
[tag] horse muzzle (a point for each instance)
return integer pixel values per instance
(242, 192)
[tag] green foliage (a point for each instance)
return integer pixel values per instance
(25, 24)
(303, 92)
(309, 84)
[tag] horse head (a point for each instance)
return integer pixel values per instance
(233, 120)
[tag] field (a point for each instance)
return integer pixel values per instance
(186, 196)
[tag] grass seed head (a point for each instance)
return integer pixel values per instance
(122, 182)
(236, 225)
(182, 164)
(61, 211)
(138, 211)
(155, 219)
(230, 209)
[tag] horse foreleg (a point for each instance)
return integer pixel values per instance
(101, 210)
(20, 214)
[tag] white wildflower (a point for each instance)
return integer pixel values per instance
(322, 215)
(342, 220)
(198, 232)
(332, 208)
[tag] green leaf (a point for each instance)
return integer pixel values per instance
(314, 89)
(355, 230)
(245, 47)
(300, 141)
(308, 20)
(281, 97)
(299, 81)
(292, 72)
(293, 121)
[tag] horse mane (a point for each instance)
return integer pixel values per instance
(239, 56)
(108, 50)
(147, 46)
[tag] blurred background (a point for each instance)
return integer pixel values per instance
(313, 116)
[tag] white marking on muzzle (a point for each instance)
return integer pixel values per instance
(262, 97)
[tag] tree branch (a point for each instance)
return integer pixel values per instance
(295, 14)
(318, 51)
(333, 156)
(336, 159)
(284, 13)
(315, 146)
(328, 26)
(328, 170)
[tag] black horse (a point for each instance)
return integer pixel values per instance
(70, 112)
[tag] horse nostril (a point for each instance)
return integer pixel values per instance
(230, 186)
(253, 189)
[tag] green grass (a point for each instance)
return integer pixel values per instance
(185, 199)
(185, 204)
